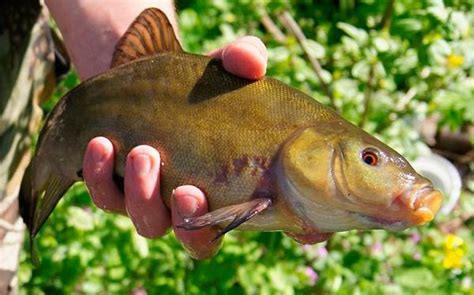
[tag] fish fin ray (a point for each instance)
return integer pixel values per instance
(149, 34)
(234, 215)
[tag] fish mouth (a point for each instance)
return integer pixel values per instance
(415, 206)
(420, 204)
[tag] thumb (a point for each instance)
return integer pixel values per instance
(188, 201)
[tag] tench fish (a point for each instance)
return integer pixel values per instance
(268, 156)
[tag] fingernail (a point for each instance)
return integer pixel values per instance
(259, 50)
(187, 206)
(98, 156)
(252, 41)
(141, 164)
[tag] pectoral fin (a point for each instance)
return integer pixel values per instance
(149, 34)
(233, 216)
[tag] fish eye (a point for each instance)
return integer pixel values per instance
(370, 156)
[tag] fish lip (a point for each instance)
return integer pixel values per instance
(419, 203)
(409, 199)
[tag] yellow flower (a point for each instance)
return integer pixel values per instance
(453, 259)
(453, 251)
(452, 242)
(454, 61)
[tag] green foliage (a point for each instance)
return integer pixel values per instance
(418, 64)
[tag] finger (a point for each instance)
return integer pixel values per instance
(142, 192)
(245, 57)
(309, 239)
(98, 169)
(189, 201)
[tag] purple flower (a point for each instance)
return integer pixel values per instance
(322, 252)
(315, 251)
(415, 238)
(376, 248)
(417, 256)
(312, 275)
(139, 291)
(307, 247)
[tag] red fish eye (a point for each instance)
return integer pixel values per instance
(370, 157)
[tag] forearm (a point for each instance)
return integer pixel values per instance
(91, 28)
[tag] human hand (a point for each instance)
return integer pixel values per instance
(141, 199)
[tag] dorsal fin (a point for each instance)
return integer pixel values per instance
(149, 34)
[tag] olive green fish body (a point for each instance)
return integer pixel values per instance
(212, 129)
(268, 157)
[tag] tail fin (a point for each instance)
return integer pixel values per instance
(38, 197)
(41, 189)
(25, 197)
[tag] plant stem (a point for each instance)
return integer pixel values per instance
(290, 24)
(367, 96)
(272, 28)
(387, 16)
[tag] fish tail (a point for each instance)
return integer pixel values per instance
(41, 189)
(35, 260)
(25, 196)
(25, 209)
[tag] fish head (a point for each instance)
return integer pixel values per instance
(337, 177)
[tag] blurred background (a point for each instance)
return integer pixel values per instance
(402, 70)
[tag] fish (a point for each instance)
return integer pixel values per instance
(268, 157)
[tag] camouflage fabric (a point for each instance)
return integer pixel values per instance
(26, 70)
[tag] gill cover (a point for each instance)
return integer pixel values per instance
(306, 178)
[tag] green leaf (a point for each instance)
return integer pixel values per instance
(80, 219)
(141, 245)
(439, 51)
(439, 12)
(359, 35)
(381, 44)
(407, 26)
(361, 70)
(315, 49)
(407, 62)
(91, 287)
(416, 278)
(350, 45)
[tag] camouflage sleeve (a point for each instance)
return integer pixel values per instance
(26, 70)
